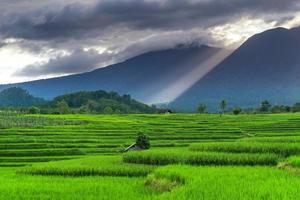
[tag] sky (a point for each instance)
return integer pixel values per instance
(42, 39)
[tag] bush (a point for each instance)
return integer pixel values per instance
(202, 108)
(34, 110)
(237, 111)
(142, 141)
(108, 110)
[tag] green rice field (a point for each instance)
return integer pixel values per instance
(192, 156)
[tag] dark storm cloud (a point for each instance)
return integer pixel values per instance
(85, 20)
(125, 28)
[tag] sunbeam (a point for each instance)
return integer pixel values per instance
(187, 80)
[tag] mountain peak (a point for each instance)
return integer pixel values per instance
(266, 66)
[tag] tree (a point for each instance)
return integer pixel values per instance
(142, 141)
(222, 106)
(296, 107)
(34, 110)
(202, 108)
(118, 111)
(237, 110)
(108, 110)
(280, 109)
(265, 106)
(92, 106)
(63, 107)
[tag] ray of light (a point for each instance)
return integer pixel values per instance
(187, 80)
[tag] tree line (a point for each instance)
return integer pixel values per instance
(85, 102)
(265, 107)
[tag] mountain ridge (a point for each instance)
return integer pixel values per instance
(266, 66)
(141, 77)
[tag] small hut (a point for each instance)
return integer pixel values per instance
(132, 147)
(165, 111)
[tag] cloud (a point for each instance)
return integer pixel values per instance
(90, 59)
(74, 62)
(76, 19)
(95, 33)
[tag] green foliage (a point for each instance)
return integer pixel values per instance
(181, 156)
(108, 110)
(18, 97)
(62, 107)
(223, 105)
(202, 108)
(230, 182)
(19, 187)
(294, 161)
(237, 111)
(231, 142)
(283, 149)
(142, 141)
(265, 106)
(161, 184)
(280, 109)
(296, 107)
(102, 102)
(34, 110)
(89, 166)
(13, 119)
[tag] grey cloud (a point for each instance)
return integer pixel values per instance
(125, 27)
(76, 62)
(86, 20)
(79, 60)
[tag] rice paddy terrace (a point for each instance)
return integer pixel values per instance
(191, 157)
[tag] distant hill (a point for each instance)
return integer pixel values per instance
(100, 102)
(144, 77)
(18, 97)
(266, 66)
(80, 102)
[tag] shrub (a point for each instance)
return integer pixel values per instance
(108, 110)
(142, 141)
(202, 108)
(34, 110)
(237, 111)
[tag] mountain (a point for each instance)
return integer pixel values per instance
(143, 77)
(266, 66)
(18, 97)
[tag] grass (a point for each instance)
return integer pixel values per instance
(284, 149)
(294, 161)
(192, 157)
(175, 156)
(13, 119)
(19, 187)
(230, 183)
(89, 166)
